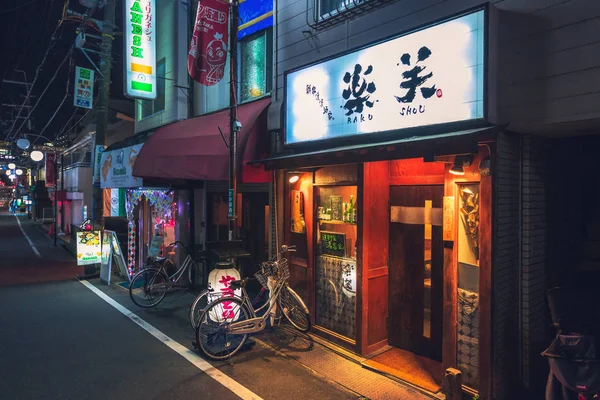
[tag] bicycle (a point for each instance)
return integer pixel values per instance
(226, 322)
(150, 285)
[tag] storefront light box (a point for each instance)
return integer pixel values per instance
(140, 49)
(431, 76)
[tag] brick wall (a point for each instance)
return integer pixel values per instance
(505, 270)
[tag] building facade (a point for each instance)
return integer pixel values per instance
(400, 256)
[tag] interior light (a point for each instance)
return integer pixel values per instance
(294, 178)
(12, 166)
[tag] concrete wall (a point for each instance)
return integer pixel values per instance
(172, 42)
(549, 50)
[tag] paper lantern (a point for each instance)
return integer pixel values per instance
(219, 280)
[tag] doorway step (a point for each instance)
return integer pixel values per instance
(409, 367)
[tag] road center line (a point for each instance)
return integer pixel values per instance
(35, 250)
(237, 388)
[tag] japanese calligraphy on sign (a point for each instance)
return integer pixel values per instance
(333, 243)
(418, 79)
(140, 49)
(83, 95)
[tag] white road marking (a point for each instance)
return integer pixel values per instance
(35, 250)
(237, 388)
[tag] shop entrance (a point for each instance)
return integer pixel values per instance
(416, 270)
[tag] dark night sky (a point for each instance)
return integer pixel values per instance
(26, 28)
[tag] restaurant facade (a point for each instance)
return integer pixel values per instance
(406, 178)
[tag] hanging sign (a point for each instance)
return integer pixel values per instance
(140, 49)
(208, 49)
(230, 211)
(89, 248)
(84, 88)
(333, 243)
(432, 76)
(50, 177)
(116, 168)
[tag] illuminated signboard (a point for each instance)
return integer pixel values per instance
(140, 49)
(431, 76)
(84, 87)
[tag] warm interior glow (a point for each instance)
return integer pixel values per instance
(457, 170)
(294, 178)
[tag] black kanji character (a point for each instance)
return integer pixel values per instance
(412, 79)
(357, 85)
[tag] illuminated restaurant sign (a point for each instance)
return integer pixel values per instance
(431, 76)
(140, 49)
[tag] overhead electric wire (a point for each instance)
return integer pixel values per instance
(18, 7)
(44, 92)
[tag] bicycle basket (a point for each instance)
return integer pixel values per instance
(262, 279)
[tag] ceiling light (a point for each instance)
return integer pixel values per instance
(294, 178)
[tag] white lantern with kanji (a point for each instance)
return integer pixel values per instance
(349, 278)
(219, 280)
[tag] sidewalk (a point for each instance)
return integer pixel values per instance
(340, 369)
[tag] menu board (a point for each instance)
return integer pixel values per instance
(89, 248)
(333, 243)
(336, 208)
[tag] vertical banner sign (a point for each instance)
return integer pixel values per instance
(50, 178)
(230, 211)
(98, 151)
(140, 49)
(208, 50)
(84, 88)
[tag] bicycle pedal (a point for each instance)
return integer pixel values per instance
(195, 345)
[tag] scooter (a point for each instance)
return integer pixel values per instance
(574, 354)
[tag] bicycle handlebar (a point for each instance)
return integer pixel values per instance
(178, 242)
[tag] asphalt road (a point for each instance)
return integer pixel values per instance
(60, 340)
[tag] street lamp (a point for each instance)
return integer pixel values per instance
(12, 165)
(19, 172)
(36, 156)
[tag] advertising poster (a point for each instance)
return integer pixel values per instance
(89, 248)
(116, 168)
(84, 88)
(50, 178)
(106, 264)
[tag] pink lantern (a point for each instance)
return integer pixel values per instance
(219, 280)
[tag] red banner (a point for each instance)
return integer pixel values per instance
(50, 178)
(208, 50)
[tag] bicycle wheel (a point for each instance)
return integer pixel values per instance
(148, 287)
(198, 306)
(294, 309)
(213, 334)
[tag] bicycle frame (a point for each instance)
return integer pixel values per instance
(256, 324)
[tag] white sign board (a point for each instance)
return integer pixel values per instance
(116, 168)
(89, 248)
(432, 76)
(83, 96)
(140, 49)
(105, 266)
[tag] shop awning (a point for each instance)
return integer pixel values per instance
(193, 149)
(410, 147)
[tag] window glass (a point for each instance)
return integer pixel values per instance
(468, 284)
(253, 67)
(336, 259)
(147, 108)
(331, 7)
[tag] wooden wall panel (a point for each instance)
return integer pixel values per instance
(375, 223)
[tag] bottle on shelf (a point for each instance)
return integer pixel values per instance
(345, 213)
(351, 209)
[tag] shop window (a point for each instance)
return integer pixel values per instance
(336, 268)
(255, 63)
(329, 8)
(468, 283)
(218, 228)
(147, 108)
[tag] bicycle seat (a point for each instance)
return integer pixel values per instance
(160, 260)
(239, 284)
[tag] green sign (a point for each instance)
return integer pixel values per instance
(333, 243)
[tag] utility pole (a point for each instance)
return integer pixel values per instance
(102, 104)
(234, 127)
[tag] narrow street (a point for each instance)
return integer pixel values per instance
(65, 339)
